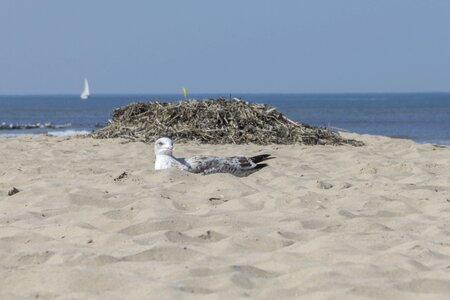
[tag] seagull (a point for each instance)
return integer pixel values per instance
(240, 166)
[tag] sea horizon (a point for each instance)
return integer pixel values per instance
(179, 94)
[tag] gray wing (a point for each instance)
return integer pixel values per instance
(180, 163)
(237, 165)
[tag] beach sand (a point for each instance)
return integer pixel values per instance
(321, 222)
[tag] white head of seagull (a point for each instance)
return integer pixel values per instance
(163, 146)
(204, 164)
(163, 152)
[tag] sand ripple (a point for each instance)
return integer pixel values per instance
(319, 223)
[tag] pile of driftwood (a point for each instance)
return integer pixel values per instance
(214, 121)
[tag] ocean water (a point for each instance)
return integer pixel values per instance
(424, 118)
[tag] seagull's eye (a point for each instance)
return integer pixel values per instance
(160, 143)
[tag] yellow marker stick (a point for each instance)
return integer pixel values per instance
(184, 93)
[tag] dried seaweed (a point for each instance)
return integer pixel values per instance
(214, 121)
(13, 191)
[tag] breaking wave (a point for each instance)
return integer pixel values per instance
(49, 125)
(68, 132)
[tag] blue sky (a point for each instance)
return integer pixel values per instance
(289, 46)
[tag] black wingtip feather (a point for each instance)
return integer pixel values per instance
(260, 166)
(259, 158)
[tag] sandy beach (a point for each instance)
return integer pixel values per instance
(93, 220)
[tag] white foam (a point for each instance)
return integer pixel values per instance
(68, 132)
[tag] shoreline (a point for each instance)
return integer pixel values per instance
(86, 133)
(320, 222)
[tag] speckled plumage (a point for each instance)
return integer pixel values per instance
(236, 165)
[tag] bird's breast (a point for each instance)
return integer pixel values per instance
(163, 162)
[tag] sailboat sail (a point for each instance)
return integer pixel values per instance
(85, 94)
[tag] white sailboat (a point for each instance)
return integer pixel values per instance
(85, 94)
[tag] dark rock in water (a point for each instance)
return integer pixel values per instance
(214, 121)
(13, 191)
